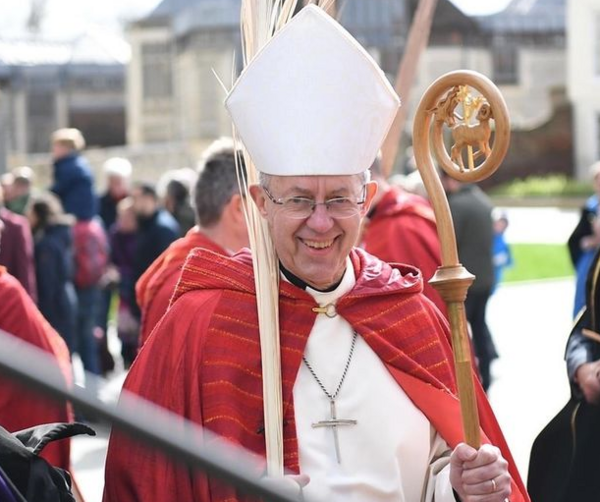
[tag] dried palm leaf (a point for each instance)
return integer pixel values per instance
(261, 19)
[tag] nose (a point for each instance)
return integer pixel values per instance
(319, 220)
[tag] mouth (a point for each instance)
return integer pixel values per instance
(319, 245)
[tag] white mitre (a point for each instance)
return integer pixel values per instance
(312, 101)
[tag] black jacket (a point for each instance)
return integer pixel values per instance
(54, 265)
(154, 235)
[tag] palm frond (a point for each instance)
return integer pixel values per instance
(261, 19)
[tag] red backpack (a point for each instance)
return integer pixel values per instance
(91, 253)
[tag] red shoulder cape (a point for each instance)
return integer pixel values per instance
(403, 230)
(21, 408)
(156, 286)
(213, 366)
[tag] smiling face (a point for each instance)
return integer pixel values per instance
(314, 248)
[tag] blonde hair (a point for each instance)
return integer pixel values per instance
(69, 137)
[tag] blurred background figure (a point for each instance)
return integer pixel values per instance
(21, 408)
(118, 176)
(585, 239)
(400, 228)
(53, 237)
(73, 180)
(411, 181)
(221, 228)
(17, 252)
(20, 192)
(175, 188)
(471, 211)
(7, 181)
(123, 236)
(117, 171)
(157, 229)
(501, 250)
(74, 185)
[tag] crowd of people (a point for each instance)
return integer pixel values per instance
(176, 279)
(85, 259)
(74, 250)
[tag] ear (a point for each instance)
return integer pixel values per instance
(237, 211)
(370, 195)
(260, 199)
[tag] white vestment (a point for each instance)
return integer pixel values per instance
(393, 454)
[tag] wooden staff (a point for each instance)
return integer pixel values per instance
(418, 36)
(452, 280)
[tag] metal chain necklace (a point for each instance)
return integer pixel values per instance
(334, 422)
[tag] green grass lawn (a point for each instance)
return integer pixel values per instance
(538, 261)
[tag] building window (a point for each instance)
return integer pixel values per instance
(156, 70)
(505, 58)
(41, 120)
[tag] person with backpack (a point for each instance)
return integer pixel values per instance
(91, 261)
(74, 185)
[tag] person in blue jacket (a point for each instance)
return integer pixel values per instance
(73, 180)
(584, 241)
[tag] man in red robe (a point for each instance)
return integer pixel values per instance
(401, 228)
(21, 408)
(369, 402)
(222, 229)
(213, 319)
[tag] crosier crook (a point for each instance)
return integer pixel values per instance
(452, 280)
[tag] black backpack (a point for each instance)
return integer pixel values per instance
(28, 477)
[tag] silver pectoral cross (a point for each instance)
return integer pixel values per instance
(334, 423)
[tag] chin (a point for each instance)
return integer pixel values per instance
(322, 278)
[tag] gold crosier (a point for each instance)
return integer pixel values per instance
(435, 114)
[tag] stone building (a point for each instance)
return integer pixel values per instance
(46, 85)
(180, 49)
(583, 46)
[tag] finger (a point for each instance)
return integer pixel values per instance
(463, 453)
(487, 454)
(497, 489)
(485, 473)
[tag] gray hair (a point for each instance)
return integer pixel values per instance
(217, 181)
(264, 179)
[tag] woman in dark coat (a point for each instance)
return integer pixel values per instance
(53, 249)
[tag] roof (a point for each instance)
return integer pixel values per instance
(95, 47)
(168, 8)
(187, 15)
(207, 14)
(528, 16)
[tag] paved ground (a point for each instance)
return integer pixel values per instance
(530, 323)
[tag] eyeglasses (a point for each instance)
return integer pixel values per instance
(300, 208)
